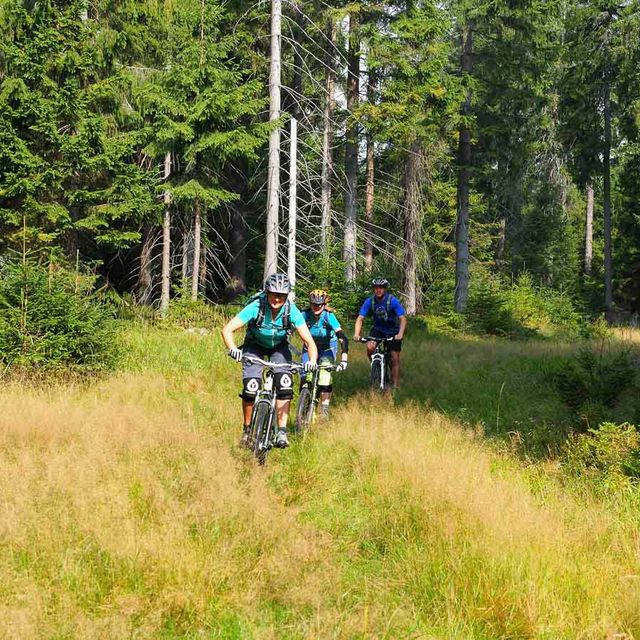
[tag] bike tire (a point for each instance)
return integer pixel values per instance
(377, 383)
(304, 412)
(260, 431)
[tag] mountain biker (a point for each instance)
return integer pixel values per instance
(326, 331)
(389, 320)
(270, 316)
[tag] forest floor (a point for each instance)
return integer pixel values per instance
(129, 511)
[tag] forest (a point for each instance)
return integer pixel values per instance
(456, 147)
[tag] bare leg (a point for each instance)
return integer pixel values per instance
(395, 368)
(371, 347)
(247, 408)
(282, 409)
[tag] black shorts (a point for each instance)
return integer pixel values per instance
(393, 345)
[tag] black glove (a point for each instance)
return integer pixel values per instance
(309, 366)
(236, 354)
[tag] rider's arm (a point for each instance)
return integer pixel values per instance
(358, 328)
(403, 326)
(227, 331)
(305, 334)
(344, 341)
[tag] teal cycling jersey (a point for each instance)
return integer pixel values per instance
(322, 328)
(271, 331)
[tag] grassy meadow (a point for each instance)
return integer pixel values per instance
(129, 511)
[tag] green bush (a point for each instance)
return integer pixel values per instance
(50, 318)
(488, 311)
(591, 382)
(611, 451)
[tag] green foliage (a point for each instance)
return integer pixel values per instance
(51, 318)
(608, 455)
(592, 382)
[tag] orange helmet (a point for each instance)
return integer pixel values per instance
(318, 296)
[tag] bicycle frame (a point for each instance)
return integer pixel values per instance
(312, 385)
(379, 356)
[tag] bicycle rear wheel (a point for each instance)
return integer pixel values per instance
(377, 381)
(261, 430)
(304, 413)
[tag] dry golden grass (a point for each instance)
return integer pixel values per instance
(129, 511)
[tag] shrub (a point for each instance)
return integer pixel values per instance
(50, 318)
(591, 382)
(610, 451)
(487, 309)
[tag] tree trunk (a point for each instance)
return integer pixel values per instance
(588, 231)
(166, 241)
(412, 226)
(327, 137)
(187, 253)
(203, 270)
(351, 150)
(238, 241)
(502, 241)
(197, 233)
(293, 203)
(145, 277)
(464, 177)
(273, 178)
(608, 253)
(369, 191)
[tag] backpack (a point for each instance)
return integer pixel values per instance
(310, 320)
(257, 322)
(387, 305)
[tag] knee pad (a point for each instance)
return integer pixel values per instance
(325, 388)
(324, 378)
(284, 385)
(250, 387)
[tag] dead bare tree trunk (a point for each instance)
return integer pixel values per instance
(197, 233)
(273, 179)
(606, 183)
(144, 285)
(464, 178)
(588, 231)
(369, 189)
(412, 227)
(327, 136)
(351, 149)
(166, 241)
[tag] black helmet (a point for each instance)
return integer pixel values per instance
(380, 282)
(277, 283)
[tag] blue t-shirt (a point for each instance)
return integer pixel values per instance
(385, 322)
(272, 332)
(322, 328)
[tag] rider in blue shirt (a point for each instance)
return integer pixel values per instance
(326, 331)
(269, 319)
(389, 320)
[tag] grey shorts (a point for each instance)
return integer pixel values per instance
(252, 372)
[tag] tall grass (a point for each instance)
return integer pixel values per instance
(129, 511)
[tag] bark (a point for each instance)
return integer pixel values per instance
(187, 253)
(238, 241)
(273, 179)
(351, 150)
(145, 277)
(464, 178)
(412, 227)
(327, 137)
(293, 202)
(197, 233)
(588, 232)
(166, 241)
(369, 190)
(608, 252)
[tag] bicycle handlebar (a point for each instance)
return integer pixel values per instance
(272, 365)
(376, 339)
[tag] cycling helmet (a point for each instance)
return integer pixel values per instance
(277, 283)
(318, 296)
(380, 282)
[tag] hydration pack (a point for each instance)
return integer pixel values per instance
(382, 315)
(262, 312)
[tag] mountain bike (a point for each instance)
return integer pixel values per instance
(380, 376)
(263, 428)
(309, 398)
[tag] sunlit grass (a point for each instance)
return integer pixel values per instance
(129, 511)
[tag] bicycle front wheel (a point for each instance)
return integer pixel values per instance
(304, 413)
(377, 381)
(261, 430)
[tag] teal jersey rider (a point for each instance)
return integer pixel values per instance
(270, 332)
(323, 329)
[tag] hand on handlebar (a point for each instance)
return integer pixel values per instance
(236, 354)
(309, 366)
